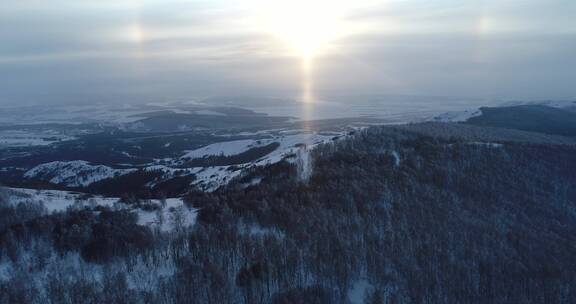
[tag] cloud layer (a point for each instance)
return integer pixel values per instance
(82, 51)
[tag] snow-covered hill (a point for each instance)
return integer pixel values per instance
(287, 144)
(76, 173)
(457, 116)
(26, 138)
(227, 148)
(170, 213)
(465, 115)
(207, 178)
(293, 148)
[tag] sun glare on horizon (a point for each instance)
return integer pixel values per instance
(307, 30)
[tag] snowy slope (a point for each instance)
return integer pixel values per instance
(458, 116)
(298, 145)
(560, 104)
(462, 116)
(57, 201)
(212, 178)
(294, 146)
(23, 138)
(209, 112)
(73, 173)
(227, 148)
(54, 200)
(291, 144)
(287, 143)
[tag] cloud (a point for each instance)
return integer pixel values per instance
(83, 50)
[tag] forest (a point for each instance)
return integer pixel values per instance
(448, 215)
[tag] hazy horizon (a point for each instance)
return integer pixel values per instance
(110, 51)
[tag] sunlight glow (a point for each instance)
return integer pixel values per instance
(307, 80)
(136, 33)
(306, 27)
(307, 92)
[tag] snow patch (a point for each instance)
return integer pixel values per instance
(458, 116)
(396, 158)
(304, 164)
(211, 178)
(256, 230)
(253, 182)
(358, 291)
(22, 138)
(172, 213)
(295, 148)
(289, 145)
(209, 112)
(227, 148)
(560, 104)
(76, 173)
(487, 144)
(56, 200)
(481, 144)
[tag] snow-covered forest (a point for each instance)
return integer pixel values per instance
(448, 214)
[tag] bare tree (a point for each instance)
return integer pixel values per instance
(177, 218)
(160, 217)
(3, 196)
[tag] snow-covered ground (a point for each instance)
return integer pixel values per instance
(288, 144)
(488, 145)
(142, 276)
(55, 200)
(357, 293)
(401, 109)
(560, 104)
(211, 178)
(172, 212)
(256, 230)
(101, 113)
(292, 143)
(394, 108)
(23, 138)
(209, 112)
(173, 215)
(458, 116)
(81, 173)
(226, 148)
(465, 115)
(73, 114)
(74, 173)
(298, 145)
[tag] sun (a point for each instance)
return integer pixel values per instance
(307, 28)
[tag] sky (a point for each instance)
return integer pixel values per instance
(79, 51)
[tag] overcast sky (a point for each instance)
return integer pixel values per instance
(107, 50)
